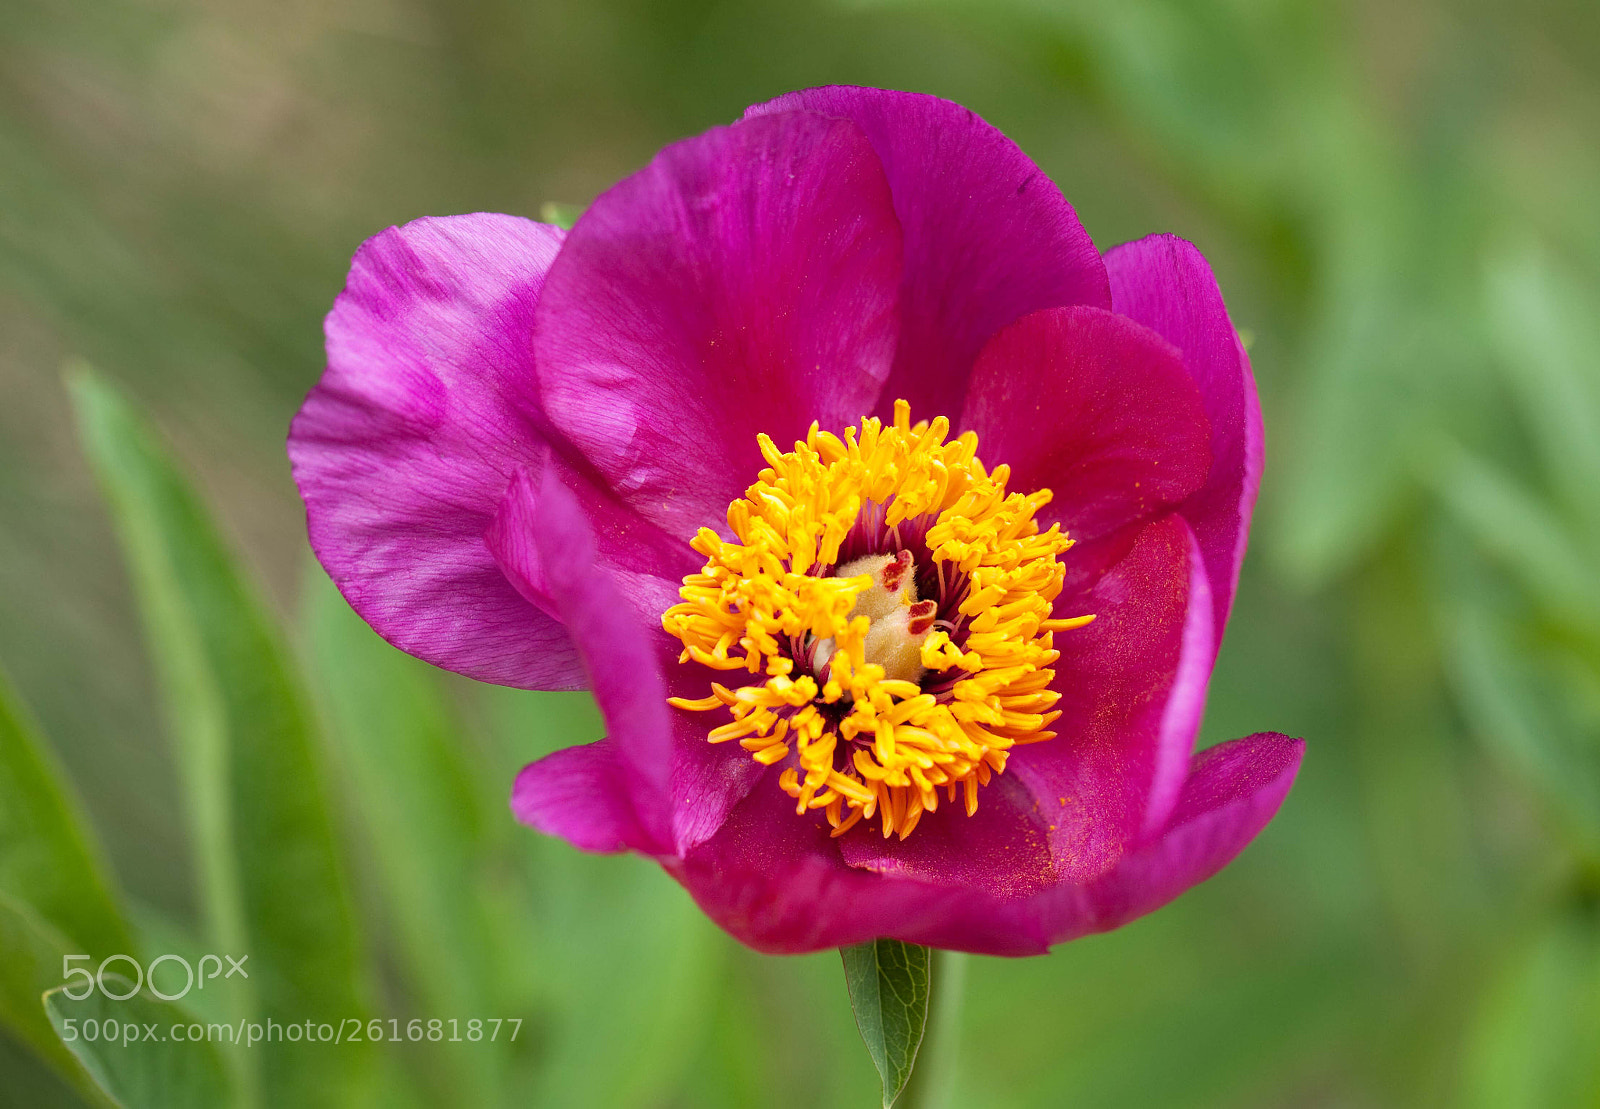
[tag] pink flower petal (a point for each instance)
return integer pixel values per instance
(1095, 408)
(780, 886)
(1133, 687)
(404, 448)
(1233, 790)
(1003, 849)
(580, 794)
(1164, 283)
(744, 282)
(777, 882)
(988, 237)
(646, 564)
(544, 544)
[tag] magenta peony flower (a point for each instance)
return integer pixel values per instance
(862, 676)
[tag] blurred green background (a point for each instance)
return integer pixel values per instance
(1402, 203)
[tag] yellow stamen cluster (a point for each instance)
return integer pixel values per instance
(765, 601)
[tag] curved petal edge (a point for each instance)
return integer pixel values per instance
(578, 793)
(403, 449)
(1166, 284)
(1233, 790)
(988, 236)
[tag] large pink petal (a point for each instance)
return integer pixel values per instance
(1133, 687)
(681, 787)
(404, 448)
(744, 282)
(1232, 791)
(1164, 283)
(1100, 411)
(988, 237)
(776, 881)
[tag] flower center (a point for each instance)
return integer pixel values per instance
(894, 600)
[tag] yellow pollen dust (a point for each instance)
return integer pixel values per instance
(912, 668)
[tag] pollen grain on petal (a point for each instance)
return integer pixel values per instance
(890, 600)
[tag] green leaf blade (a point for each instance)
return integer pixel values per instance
(48, 858)
(889, 989)
(271, 872)
(144, 1066)
(429, 824)
(55, 898)
(31, 961)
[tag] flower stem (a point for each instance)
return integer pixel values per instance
(932, 1084)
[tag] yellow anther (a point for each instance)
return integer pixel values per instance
(914, 665)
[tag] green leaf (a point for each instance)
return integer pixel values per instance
(1512, 696)
(1544, 324)
(430, 823)
(48, 859)
(139, 1063)
(562, 215)
(271, 878)
(1519, 531)
(628, 959)
(31, 961)
(1533, 1043)
(889, 986)
(54, 897)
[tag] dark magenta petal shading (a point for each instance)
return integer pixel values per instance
(1095, 408)
(744, 282)
(988, 237)
(580, 794)
(776, 881)
(1002, 850)
(679, 785)
(1164, 283)
(1133, 686)
(403, 450)
(1232, 791)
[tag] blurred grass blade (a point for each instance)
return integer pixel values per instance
(1537, 1025)
(271, 878)
(54, 897)
(1545, 326)
(428, 824)
(48, 859)
(1519, 531)
(631, 966)
(131, 1052)
(888, 982)
(1511, 703)
(31, 961)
